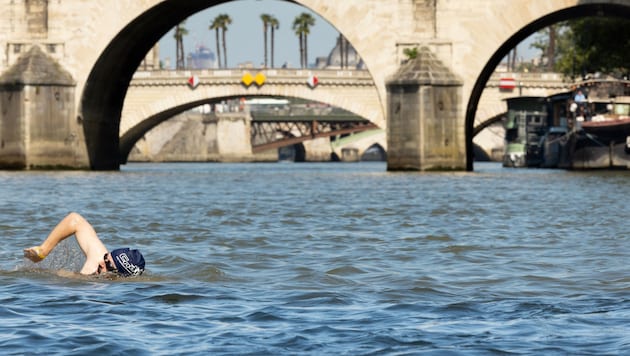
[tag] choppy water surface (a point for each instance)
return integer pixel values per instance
(322, 259)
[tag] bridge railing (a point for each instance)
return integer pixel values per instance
(324, 76)
(281, 76)
(529, 79)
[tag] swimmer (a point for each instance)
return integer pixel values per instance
(98, 260)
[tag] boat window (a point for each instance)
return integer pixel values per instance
(622, 109)
(535, 120)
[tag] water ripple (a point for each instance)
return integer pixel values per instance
(321, 259)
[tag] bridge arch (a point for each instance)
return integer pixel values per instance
(106, 86)
(137, 119)
(470, 37)
(583, 8)
(360, 142)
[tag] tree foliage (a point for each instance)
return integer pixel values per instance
(302, 28)
(179, 33)
(588, 45)
(270, 22)
(411, 53)
(220, 24)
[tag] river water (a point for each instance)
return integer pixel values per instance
(322, 259)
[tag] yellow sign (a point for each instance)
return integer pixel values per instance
(247, 79)
(260, 79)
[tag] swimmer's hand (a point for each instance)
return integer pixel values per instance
(34, 254)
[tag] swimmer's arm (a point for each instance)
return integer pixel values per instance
(75, 224)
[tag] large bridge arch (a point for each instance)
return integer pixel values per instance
(581, 8)
(105, 89)
(469, 37)
(147, 106)
(150, 97)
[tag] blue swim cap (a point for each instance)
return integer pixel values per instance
(128, 262)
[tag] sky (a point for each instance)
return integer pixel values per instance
(244, 36)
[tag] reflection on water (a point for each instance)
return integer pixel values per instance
(321, 259)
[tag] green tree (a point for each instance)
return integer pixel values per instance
(601, 45)
(266, 19)
(546, 41)
(179, 34)
(274, 24)
(587, 45)
(411, 53)
(216, 26)
(227, 20)
(220, 24)
(301, 26)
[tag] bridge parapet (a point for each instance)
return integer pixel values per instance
(158, 95)
(277, 76)
(547, 80)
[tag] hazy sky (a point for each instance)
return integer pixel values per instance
(245, 35)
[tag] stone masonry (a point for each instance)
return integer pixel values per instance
(101, 44)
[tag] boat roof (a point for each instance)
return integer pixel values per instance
(527, 103)
(622, 99)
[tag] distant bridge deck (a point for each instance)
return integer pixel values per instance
(234, 76)
(270, 132)
(308, 118)
(337, 106)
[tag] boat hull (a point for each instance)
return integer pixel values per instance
(589, 152)
(611, 130)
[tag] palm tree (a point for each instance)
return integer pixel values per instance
(179, 34)
(343, 51)
(269, 22)
(274, 24)
(301, 26)
(220, 23)
(514, 57)
(216, 26)
(265, 19)
(225, 21)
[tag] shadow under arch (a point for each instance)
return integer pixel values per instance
(580, 10)
(106, 86)
(129, 138)
(375, 153)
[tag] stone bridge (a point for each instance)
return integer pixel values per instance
(153, 96)
(101, 44)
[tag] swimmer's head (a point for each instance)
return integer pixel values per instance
(128, 262)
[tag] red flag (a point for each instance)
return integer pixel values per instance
(193, 81)
(312, 81)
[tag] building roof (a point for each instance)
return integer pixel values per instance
(425, 69)
(36, 68)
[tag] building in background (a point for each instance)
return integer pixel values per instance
(201, 58)
(351, 59)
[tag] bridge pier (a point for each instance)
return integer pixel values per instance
(317, 150)
(38, 125)
(425, 128)
(198, 137)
